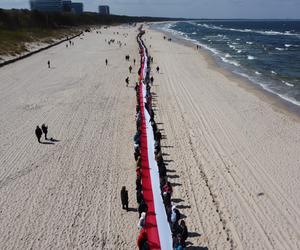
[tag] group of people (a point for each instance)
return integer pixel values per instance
(39, 132)
(177, 225)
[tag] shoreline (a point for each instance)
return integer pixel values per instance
(278, 104)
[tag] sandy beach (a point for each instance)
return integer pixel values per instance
(233, 155)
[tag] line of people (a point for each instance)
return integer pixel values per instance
(177, 226)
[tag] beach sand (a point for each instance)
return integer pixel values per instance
(233, 155)
(235, 151)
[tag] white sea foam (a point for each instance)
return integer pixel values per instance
(194, 33)
(228, 55)
(249, 43)
(249, 57)
(280, 49)
(239, 51)
(273, 72)
(262, 32)
(224, 59)
(257, 73)
(288, 84)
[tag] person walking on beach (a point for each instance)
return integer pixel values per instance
(130, 69)
(157, 69)
(134, 61)
(48, 64)
(106, 62)
(38, 133)
(152, 80)
(45, 130)
(127, 81)
(124, 198)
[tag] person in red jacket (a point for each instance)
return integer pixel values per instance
(142, 241)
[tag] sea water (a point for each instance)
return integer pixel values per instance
(265, 52)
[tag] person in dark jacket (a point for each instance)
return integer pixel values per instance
(124, 198)
(45, 130)
(127, 81)
(152, 80)
(143, 207)
(49, 64)
(139, 196)
(183, 231)
(38, 133)
(130, 69)
(142, 240)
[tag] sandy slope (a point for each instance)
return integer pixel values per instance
(235, 158)
(66, 195)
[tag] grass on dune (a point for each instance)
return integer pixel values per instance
(14, 42)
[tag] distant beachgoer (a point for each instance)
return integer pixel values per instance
(157, 69)
(151, 80)
(49, 64)
(66, 45)
(124, 198)
(136, 88)
(130, 69)
(45, 130)
(38, 133)
(106, 62)
(134, 61)
(127, 81)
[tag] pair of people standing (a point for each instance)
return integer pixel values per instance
(39, 132)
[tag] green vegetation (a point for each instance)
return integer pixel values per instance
(13, 42)
(18, 27)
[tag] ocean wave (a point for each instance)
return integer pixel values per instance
(291, 45)
(239, 51)
(273, 72)
(262, 32)
(228, 55)
(257, 73)
(249, 43)
(231, 46)
(249, 57)
(224, 59)
(194, 33)
(267, 88)
(280, 49)
(288, 84)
